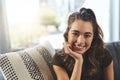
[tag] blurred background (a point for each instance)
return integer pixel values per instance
(24, 23)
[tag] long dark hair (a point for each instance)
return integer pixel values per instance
(97, 45)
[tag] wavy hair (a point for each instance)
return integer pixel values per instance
(97, 45)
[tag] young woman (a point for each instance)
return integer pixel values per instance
(84, 56)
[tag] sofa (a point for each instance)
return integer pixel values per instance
(32, 63)
(35, 63)
(114, 48)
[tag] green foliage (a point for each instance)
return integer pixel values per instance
(48, 17)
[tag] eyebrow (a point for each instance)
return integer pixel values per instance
(79, 32)
(76, 31)
(88, 33)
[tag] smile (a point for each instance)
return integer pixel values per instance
(79, 48)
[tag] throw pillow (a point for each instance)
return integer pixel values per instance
(33, 63)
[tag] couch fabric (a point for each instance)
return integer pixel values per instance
(114, 48)
(35, 63)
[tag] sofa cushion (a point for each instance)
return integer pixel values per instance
(34, 63)
(114, 48)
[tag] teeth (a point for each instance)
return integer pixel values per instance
(80, 46)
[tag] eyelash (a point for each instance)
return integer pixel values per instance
(87, 35)
(76, 34)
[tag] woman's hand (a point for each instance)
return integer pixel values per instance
(75, 55)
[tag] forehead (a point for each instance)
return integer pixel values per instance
(82, 26)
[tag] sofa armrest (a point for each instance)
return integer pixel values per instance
(114, 48)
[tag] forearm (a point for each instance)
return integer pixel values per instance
(76, 75)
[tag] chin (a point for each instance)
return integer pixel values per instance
(80, 52)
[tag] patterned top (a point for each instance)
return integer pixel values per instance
(65, 61)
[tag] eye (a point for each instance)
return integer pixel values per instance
(75, 34)
(87, 35)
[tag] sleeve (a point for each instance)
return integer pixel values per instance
(107, 59)
(57, 60)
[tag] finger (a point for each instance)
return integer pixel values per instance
(66, 45)
(69, 49)
(71, 53)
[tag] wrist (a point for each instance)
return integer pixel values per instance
(79, 61)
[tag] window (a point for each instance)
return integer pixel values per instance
(29, 21)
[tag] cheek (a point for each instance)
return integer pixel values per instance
(90, 41)
(71, 39)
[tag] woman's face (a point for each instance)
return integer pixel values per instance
(80, 36)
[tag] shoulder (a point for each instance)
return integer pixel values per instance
(106, 54)
(58, 58)
(59, 54)
(106, 58)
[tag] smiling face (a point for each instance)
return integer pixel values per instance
(80, 36)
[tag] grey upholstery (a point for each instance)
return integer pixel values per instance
(114, 48)
(1, 76)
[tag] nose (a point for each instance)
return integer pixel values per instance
(81, 39)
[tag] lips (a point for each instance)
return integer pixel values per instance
(78, 48)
